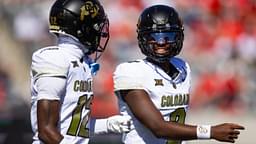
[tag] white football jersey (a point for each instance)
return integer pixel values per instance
(65, 61)
(170, 96)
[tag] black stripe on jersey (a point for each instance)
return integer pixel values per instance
(51, 48)
(38, 76)
(136, 61)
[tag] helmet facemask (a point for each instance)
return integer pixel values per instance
(151, 42)
(101, 39)
(95, 37)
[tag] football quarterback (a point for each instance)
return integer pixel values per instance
(155, 91)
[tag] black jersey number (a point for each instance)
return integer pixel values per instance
(178, 116)
(78, 124)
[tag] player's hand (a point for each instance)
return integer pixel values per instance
(227, 132)
(119, 124)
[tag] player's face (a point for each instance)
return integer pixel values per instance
(160, 49)
(162, 42)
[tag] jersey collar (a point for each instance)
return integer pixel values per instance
(71, 40)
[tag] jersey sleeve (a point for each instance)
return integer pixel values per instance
(49, 62)
(50, 88)
(127, 76)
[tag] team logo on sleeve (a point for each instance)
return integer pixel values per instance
(159, 82)
(75, 64)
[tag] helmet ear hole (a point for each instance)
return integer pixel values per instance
(164, 22)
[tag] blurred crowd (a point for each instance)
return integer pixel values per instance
(220, 46)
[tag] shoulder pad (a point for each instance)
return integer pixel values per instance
(49, 61)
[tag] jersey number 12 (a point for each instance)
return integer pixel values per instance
(78, 124)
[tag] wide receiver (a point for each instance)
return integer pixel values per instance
(61, 76)
(155, 91)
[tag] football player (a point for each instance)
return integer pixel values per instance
(61, 76)
(155, 91)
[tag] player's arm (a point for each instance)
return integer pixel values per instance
(49, 70)
(48, 117)
(144, 110)
(48, 108)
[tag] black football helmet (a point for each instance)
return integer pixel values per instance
(162, 25)
(82, 19)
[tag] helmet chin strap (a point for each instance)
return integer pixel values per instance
(158, 60)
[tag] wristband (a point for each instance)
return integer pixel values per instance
(203, 131)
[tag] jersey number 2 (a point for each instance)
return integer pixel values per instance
(178, 116)
(78, 124)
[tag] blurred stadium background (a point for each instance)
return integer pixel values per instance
(220, 45)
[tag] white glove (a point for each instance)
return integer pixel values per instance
(119, 124)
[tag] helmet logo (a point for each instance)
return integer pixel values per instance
(89, 9)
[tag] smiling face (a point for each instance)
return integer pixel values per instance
(162, 44)
(160, 49)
